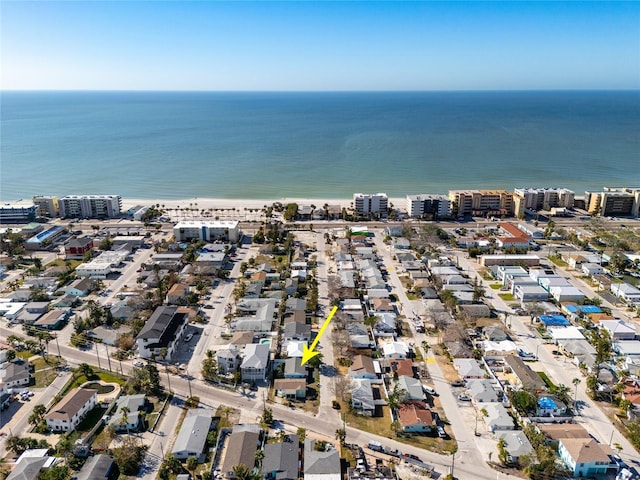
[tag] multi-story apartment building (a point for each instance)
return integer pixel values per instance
(71, 410)
(542, 199)
(375, 203)
(614, 201)
(163, 330)
(481, 202)
(90, 206)
(428, 206)
(48, 206)
(11, 213)
(206, 230)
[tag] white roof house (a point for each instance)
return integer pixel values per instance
(193, 436)
(566, 294)
(627, 348)
(626, 292)
(395, 350)
(618, 329)
(517, 443)
(566, 333)
(497, 417)
(468, 368)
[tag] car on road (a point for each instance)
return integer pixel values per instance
(464, 398)
(412, 457)
(457, 383)
(138, 364)
(556, 352)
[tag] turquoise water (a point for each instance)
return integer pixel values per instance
(317, 145)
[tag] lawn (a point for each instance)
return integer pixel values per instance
(73, 264)
(507, 297)
(99, 375)
(45, 372)
(92, 418)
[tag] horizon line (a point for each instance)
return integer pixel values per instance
(488, 90)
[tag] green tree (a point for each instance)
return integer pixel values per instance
(241, 472)
(267, 417)
(503, 454)
(56, 472)
(191, 465)
(302, 434)
(86, 370)
(210, 366)
(341, 434)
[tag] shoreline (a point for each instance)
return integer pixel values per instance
(199, 203)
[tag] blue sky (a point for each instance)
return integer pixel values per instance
(360, 45)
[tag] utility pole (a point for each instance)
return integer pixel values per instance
(108, 358)
(98, 356)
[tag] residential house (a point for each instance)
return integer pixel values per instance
(123, 311)
(280, 460)
(412, 387)
(468, 368)
(482, 391)
(525, 377)
(53, 319)
(163, 330)
(626, 292)
(321, 465)
(415, 417)
(29, 468)
(229, 359)
(99, 467)
(294, 388)
(255, 365)
(395, 350)
(618, 329)
(127, 420)
(495, 334)
(362, 400)
(258, 315)
(15, 374)
(584, 456)
(401, 366)
(516, 443)
(385, 324)
(293, 368)
(554, 432)
(192, 438)
(80, 287)
(77, 247)
(177, 294)
(71, 410)
(296, 331)
(497, 417)
(549, 405)
(364, 367)
(242, 446)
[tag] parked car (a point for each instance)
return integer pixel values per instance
(441, 432)
(188, 337)
(464, 398)
(335, 405)
(138, 364)
(430, 390)
(412, 457)
(457, 383)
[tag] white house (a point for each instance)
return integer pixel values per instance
(163, 330)
(71, 410)
(254, 366)
(468, 368)
(585, 457)
(626, 292)
(497, 417)
(618, 329)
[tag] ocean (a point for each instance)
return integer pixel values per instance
(175, 145)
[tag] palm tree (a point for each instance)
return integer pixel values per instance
(341, 434)
(124, 419)
(241, 472)
(576, 381)
(259, 458)
(86, 370)
(191, 465)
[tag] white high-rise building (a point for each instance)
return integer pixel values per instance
(427, 205)
(90, 206)
(371, 203)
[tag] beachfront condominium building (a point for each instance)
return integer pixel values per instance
(428, 206)
(542, 199)
(614, 202)
(11, 213)
(481, 202)
(90, 206)
(374, 203)
(207, 230)
(48, 205)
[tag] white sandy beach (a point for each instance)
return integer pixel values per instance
(199, 203)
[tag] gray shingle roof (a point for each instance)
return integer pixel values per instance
(193, 433)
